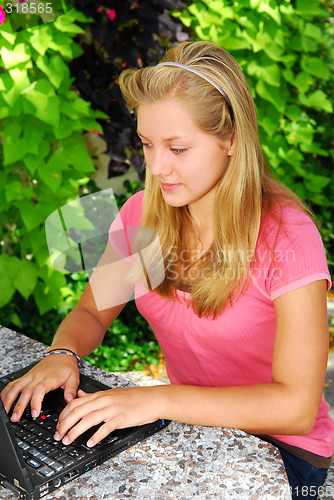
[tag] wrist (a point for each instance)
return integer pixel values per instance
(161, 402)
(64, 352)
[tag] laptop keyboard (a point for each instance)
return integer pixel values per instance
(40, 450)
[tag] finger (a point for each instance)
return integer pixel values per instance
(82, 393)
(71, 407)
(37, 398)
(70, 416)
(71, 388)
(94, 418)
(78, 411)
(21, 405)
(11, 392)
(101, 433)
(8, 399)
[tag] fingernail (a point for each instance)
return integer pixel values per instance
(57, 436)
(66, 440)
(90, 443)
(14, 416)
(34, 413)
(70, 397)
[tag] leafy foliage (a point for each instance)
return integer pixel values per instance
(285, 49)
(129, 344)
(43, 159)
(125, 34)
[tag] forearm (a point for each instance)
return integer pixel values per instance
(80, 331)
(258, 409)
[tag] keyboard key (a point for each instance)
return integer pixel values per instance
(58, 466)
(45, 471)
(33, 463)
(46, 448)
(18, 431)
(23, 445)
(57, 454)
(66, 460)
(76, 454)
(36, 453)
(33, 440)
(49, 461)
(30, 426)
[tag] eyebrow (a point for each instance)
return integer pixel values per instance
(168, 139)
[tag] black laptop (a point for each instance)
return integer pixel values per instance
(33, 464)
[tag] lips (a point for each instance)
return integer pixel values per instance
(169, 187)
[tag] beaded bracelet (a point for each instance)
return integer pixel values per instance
(63, 351)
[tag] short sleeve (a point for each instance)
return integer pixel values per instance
(123, 230)
(297, 255)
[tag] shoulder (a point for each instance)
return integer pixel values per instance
(290, 249)
(288, 224)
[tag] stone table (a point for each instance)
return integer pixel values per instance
(180, 462)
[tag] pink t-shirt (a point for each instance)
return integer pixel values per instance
(236, 347)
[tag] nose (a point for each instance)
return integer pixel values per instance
(159, 163)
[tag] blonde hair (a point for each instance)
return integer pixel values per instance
(241, 191)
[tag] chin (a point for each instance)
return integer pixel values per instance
(173, 200)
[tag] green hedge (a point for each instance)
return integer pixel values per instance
(43, 160)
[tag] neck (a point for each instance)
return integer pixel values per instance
(201, 213)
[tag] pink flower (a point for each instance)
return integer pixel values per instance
(111, 14)
(22, 1)
(2, 15)
(99, 9)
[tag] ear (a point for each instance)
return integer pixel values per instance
(232, 144)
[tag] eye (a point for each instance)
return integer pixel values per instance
(146, 144)
(178, 151)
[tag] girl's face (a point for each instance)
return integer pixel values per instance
(186, 162)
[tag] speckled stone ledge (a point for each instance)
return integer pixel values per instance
(181, 462)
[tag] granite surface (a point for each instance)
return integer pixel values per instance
(180, 462)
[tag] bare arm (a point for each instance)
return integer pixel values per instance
(84, 327)
(81, 331)
(287, 405)
(290, 403)
(101, 302)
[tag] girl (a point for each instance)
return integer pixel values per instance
(241, 312)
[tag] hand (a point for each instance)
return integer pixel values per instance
(114, 408)
(58, 370)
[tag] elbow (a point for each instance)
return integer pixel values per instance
(303, 420)
(309, 421)
(305, 427)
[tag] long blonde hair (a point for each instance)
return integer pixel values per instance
(243, 188)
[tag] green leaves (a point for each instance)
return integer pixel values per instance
(43, 158)
(315, 66)
(318, 100)
(12, 58)
(45, 101)
(18, 275)
(285, 50)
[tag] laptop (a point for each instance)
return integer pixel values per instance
(33, 464)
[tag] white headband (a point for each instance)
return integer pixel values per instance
(200, 74)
